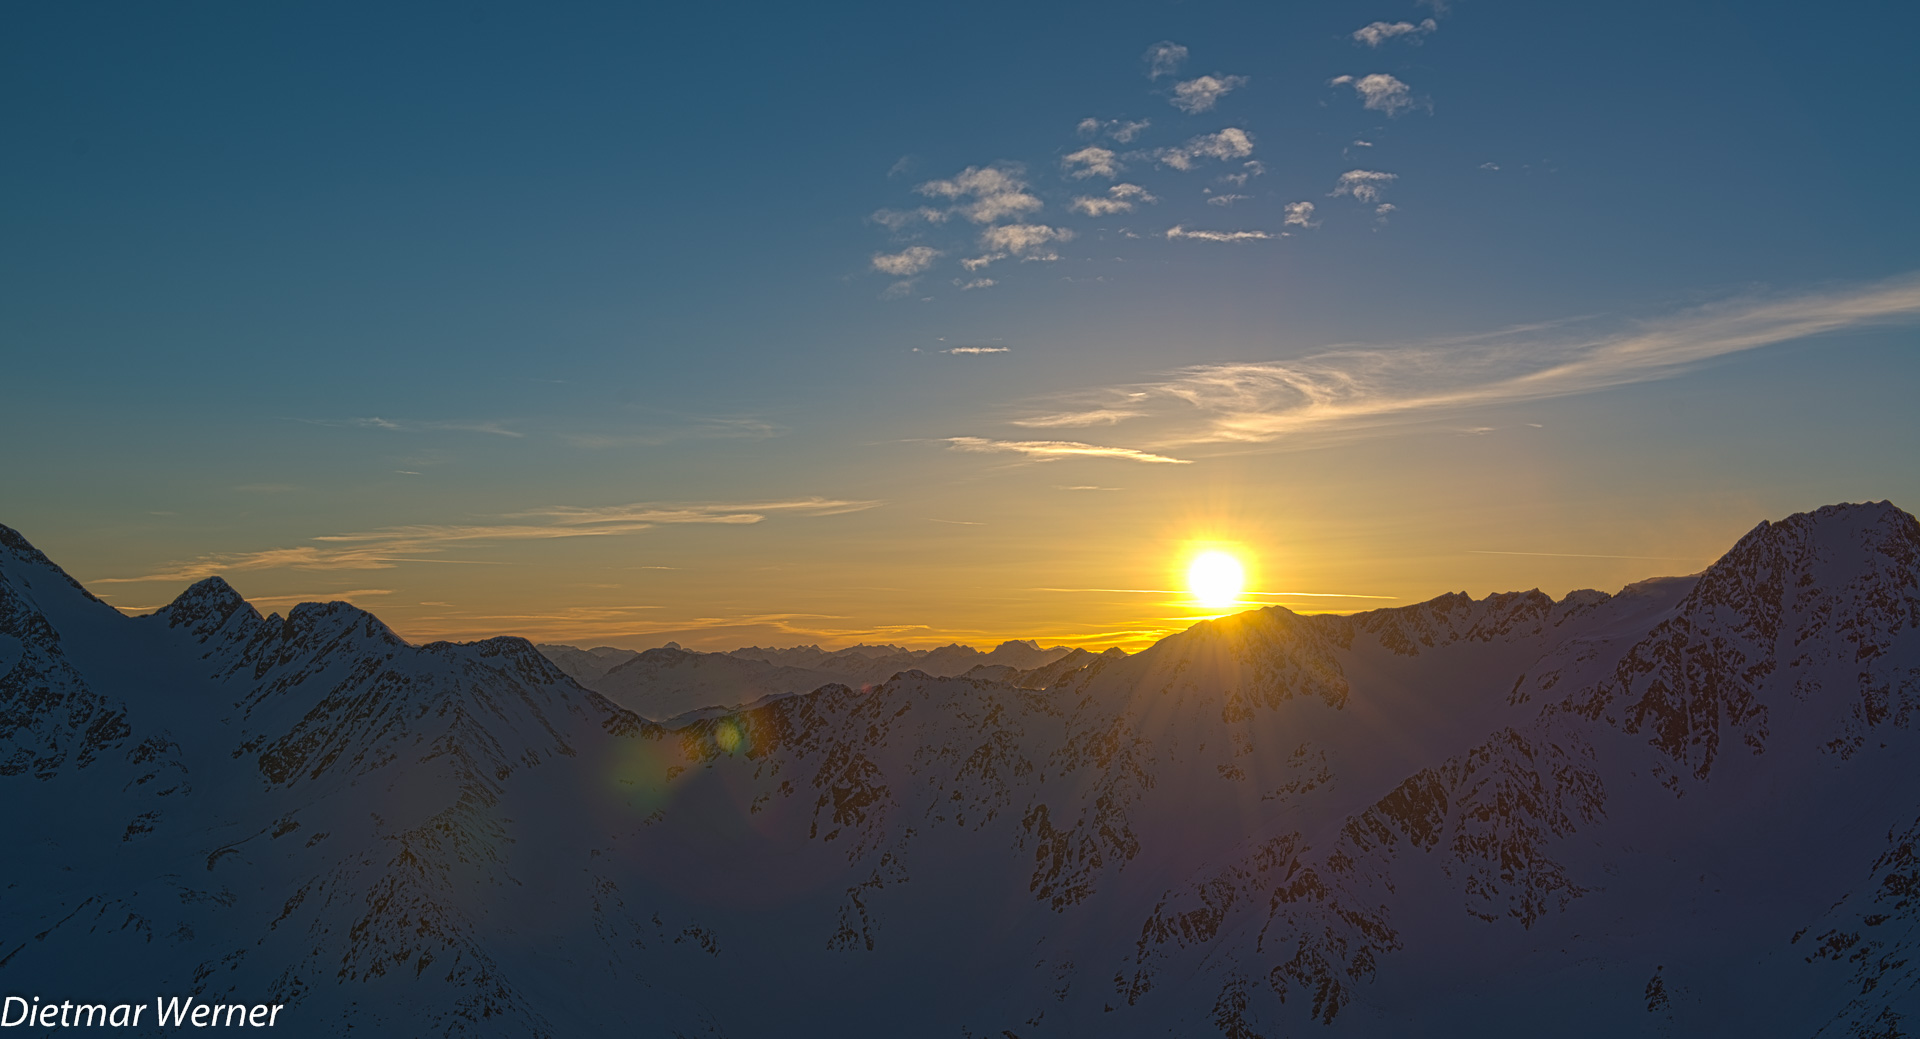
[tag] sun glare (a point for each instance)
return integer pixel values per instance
(1216, 579)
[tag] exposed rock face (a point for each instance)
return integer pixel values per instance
(1686, 808)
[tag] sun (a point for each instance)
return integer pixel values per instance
(1216, 579)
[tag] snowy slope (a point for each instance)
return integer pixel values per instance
(1686, 808)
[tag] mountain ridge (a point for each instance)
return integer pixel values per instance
(1487, 814)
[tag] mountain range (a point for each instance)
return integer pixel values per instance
(1689, 807)
(664, 683)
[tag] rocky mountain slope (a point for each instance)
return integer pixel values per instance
(1688, 808)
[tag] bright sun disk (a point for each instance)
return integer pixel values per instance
(1216, 579)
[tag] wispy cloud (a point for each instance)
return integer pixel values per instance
(905, 263)
(326, 596)
(1054, 450)
(984, 194)
(386, 547)
(1380, 92)
(964, 350)
(969, 284)
(1176, 231)
(1227, 200)
(1121, 130)
(1164, 59)
(900, 219)
(1230, 143)
(1299, 214)
(408, 426)
(1200, 95)
(1072, 419)
(1358, 389)
(1091, 161)
(1363, 185)
(1373, 35)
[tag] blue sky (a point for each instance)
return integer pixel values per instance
(447, 281)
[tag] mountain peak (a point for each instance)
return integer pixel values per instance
(16, 544)
(206, 606)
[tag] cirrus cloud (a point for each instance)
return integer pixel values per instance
(1054, 450)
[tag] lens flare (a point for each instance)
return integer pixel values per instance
(1216, 579)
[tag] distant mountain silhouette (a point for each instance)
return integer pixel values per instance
(1687, 808)
(670, 681)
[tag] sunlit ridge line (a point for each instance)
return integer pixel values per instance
(1179, 591)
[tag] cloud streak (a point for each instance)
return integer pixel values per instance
(1176, 231)
(387, 547)
(1347, 390)
(1054, 450)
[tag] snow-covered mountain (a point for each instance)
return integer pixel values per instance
(1688, 808)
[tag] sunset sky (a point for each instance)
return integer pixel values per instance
(779, 324)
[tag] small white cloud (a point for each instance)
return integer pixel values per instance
(1091, 161)
(1227, 200)
(1019, 238)
(1120, 199)
(1363, 185)
(1439, 6)
(1200, 95)
(976, 349)
(905, 263)
(1230, 143)
(1383, 209)
(1299, 214)
(1379, 92)
(968, 285)
(1164, 59)
(985, 194)
(1489, 165)
(1176, 231)
(898, 289)
(1046, 257)
(1100, 206)
(974, 263)
(900, 165)
(1361, 144)
(1088, 127)
(1379, 32)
